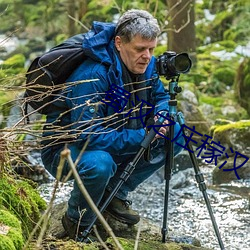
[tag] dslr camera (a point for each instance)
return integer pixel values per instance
(171, 65)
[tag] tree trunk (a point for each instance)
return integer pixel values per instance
(181, 27)
(83, 7)
(71, 6)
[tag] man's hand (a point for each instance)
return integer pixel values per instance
(162, 130)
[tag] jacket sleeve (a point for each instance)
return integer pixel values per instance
(89, 118)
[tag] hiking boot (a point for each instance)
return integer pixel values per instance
(121, 211)
(75, 231)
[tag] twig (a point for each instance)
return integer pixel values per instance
(77, 21)
(99, 238)
(137, 236)
(66, 155)
(45, 217)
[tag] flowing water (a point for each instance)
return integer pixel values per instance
(187, 212)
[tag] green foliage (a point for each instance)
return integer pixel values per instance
(242, 84)
(219, 102)
(229, 23)
(12, 67)
(13, 239)
(17, 61)
(224, 75)
(221, 23)
(214, 101)
(22, 200)
(6, 243)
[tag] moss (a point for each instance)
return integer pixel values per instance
(16, 61)
(9, 219)
(214, 101)
(229, 45)
(225, 75)
(6, 96)
(128, 244)
(236, 125)
(13, 71)
(13, 239)
(16, 237)
(235, 135)
(242, 84)
(6, 243)
(21, 199)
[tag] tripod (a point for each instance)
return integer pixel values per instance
(169, 163)
(173, 90)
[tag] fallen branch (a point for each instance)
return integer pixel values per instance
(65, 154)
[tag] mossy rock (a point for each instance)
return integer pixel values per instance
(21, 199)
(220, 106)
(11, 237)
(128, 244)
(242, 85)
(150, 235)
(235, 135)
(227, 173)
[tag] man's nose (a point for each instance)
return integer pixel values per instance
(146, 54)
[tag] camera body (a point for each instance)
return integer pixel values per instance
(171, 65)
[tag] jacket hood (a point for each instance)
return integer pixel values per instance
(98, 43)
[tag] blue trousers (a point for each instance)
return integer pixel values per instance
(100, 170)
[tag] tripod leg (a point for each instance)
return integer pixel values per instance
(202, 186)
(168, 172)
(126, 173)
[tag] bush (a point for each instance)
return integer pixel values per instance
(224, 75)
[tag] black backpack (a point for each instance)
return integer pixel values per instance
(47, 74)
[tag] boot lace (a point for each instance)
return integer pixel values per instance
(127, 203)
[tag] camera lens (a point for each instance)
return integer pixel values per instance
(182, 63)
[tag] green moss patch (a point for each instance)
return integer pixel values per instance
(10, 231)
(241, 125)
(22, 200)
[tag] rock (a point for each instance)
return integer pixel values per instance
(224, 176)
(194, 119)
(235, 135)
(228, 110)
(189, 96)
(149, 237)
(206, 109)
(181, 179)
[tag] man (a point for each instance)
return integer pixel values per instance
(120, 57)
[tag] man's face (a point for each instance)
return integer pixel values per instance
(137, 53)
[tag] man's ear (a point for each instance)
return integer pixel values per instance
(118, 42)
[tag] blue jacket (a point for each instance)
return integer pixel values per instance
(89, 117)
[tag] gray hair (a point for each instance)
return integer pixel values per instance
(137, 22)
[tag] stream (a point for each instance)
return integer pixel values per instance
(187, 212)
